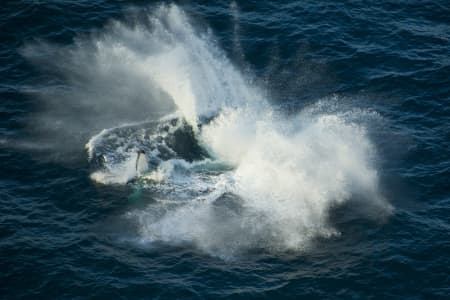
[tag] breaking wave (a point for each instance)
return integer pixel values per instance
(229, 172)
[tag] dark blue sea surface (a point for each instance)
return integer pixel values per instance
(293, 149)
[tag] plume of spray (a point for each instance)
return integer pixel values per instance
(283, 175)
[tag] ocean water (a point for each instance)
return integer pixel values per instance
(288, 149)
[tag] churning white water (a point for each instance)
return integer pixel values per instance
(269, 181)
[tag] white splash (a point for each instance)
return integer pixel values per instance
(273, 179)
(117, 173)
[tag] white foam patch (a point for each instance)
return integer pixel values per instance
(120, 173)
(289, 174)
